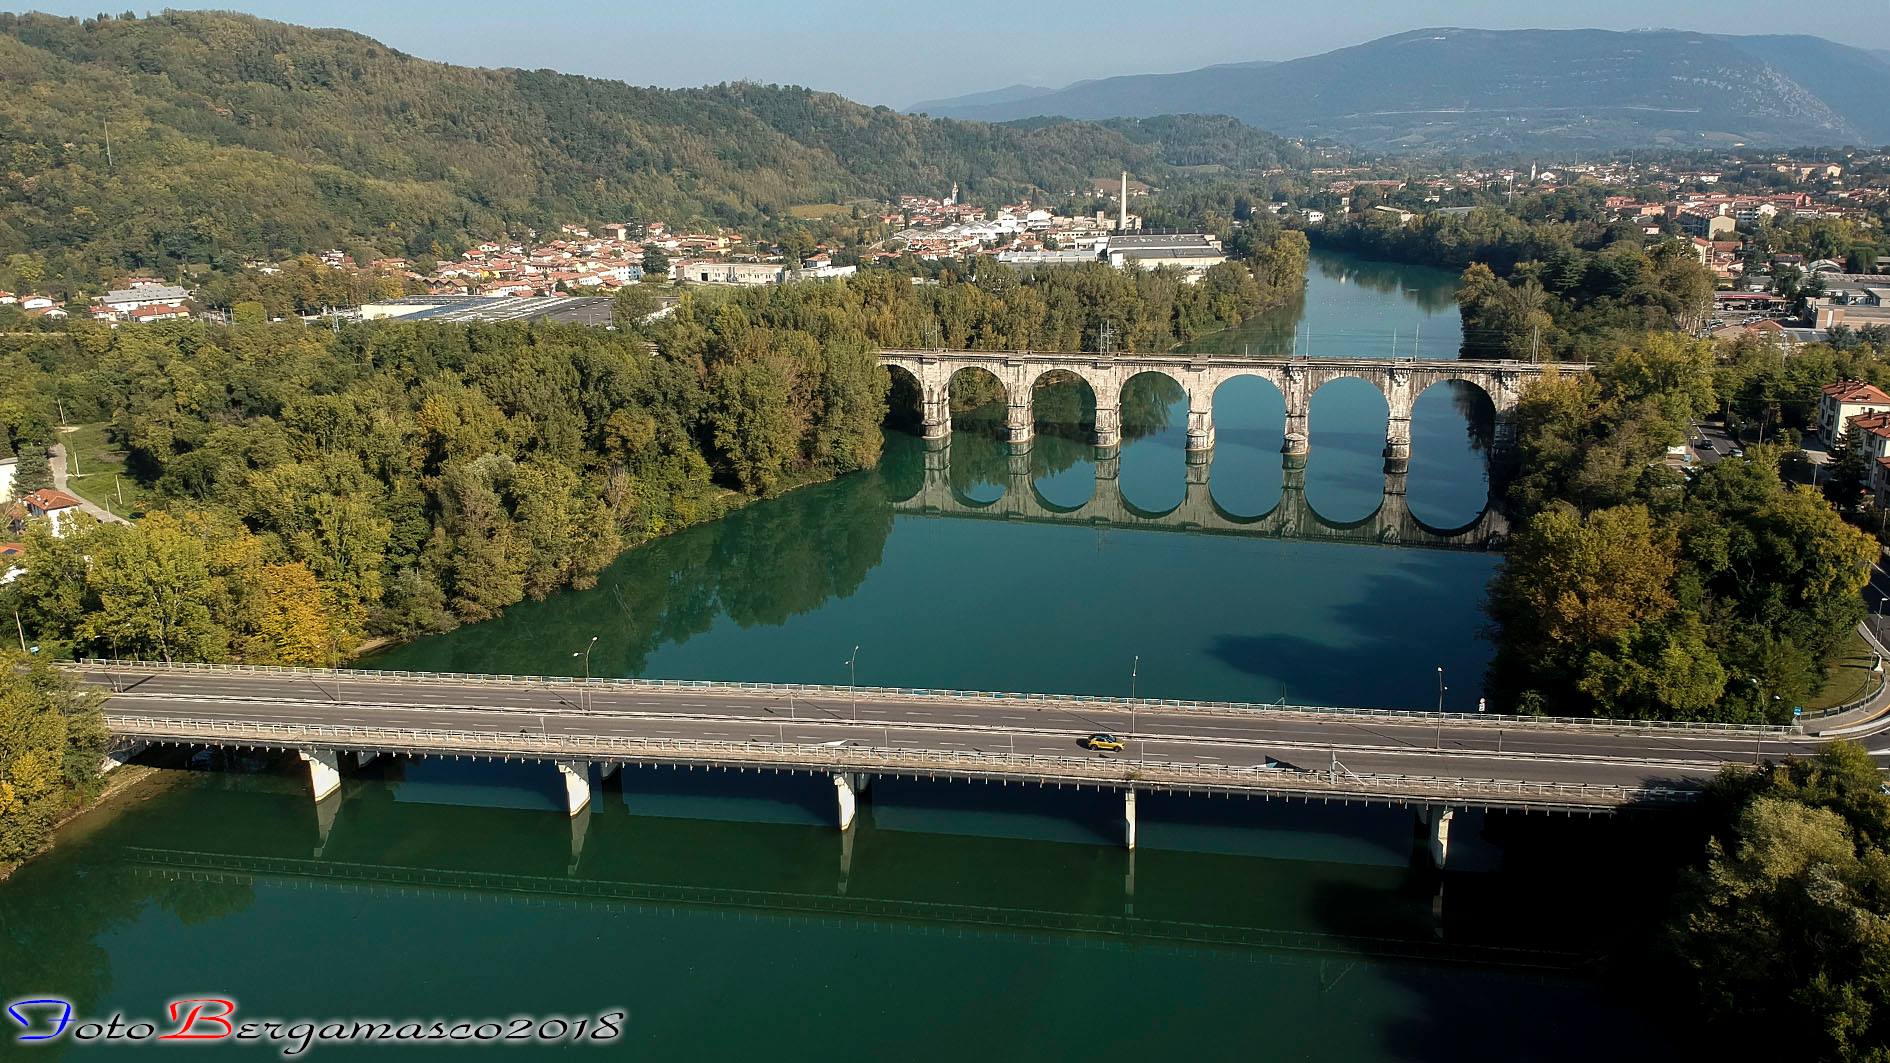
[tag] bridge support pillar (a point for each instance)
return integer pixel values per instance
(1019, 421)
(1108, 426)
(1504, 436)
(1397, 448)
(1398, 401)
(935, 412)
(1298, 415)
(1128, 819)
(848, 787)
(324, 771)
(1200, 428)
(362, 758)
(577, 785)
(1438, 822)
(1108, 466)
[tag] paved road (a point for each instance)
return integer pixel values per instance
(1402, 745)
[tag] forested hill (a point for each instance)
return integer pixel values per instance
(233, 137)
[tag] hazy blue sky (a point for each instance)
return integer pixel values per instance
(897, 53)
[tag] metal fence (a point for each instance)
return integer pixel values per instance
(1489, 719)
(1061, 770)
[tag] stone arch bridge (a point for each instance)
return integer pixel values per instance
(1400, 380)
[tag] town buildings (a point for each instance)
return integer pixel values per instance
(1844, 400)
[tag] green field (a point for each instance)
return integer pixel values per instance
(1851, 675)
(100, 471)
(817, 211)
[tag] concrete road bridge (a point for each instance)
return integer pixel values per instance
(1430, 761)
(1400, 380)
(1293, 517)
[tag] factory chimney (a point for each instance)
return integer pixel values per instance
(1122, 219)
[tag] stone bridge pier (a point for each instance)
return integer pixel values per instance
(1401, 381)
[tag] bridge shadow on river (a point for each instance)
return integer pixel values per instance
(1336, 927)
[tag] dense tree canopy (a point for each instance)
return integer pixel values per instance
(1632, 591)
(52, 740)
(1784, 931)
(320, 486)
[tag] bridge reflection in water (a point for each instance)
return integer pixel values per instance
(370, 842)
(950, 468)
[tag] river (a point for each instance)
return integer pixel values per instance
(730, 919)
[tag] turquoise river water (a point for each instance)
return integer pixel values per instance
(727, 917)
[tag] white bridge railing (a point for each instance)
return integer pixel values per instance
(600, 685)
(1103, 772)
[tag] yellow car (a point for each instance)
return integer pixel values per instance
(1103, 743)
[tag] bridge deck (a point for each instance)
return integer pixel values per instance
(1311, 752)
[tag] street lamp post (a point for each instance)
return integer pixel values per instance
(1440, 688)
(586, 654)
(852, 697)
(1135, 670)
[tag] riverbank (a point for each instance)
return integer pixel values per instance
(120, 789)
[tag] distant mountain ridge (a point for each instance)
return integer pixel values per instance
(1495, 90)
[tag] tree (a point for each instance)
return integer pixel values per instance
(1784, 930)
(153, 588)
(655, 264)
(1847, 474)
(34, 470)
(631, 305)
(751, 427)
(292, 622)
(52, 738)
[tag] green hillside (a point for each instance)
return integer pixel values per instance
(232, 137)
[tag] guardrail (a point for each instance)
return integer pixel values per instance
(1490, 719)
(1112, 773)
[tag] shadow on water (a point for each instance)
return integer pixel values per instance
(1367, 631)
(1589, 888)
(1018, 905)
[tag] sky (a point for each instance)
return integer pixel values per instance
(899, 53)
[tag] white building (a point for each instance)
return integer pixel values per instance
(1194, 252)
(1844, 400)
(125, 300)
(59, 508)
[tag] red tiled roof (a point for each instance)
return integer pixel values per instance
(46, 500)
(1856, 391)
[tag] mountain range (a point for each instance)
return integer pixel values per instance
(1510, 90)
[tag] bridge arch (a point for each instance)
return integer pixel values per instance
(1453, 437)
(1249, 410)
(977, 397)
(905, 398)
(1063, 402)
